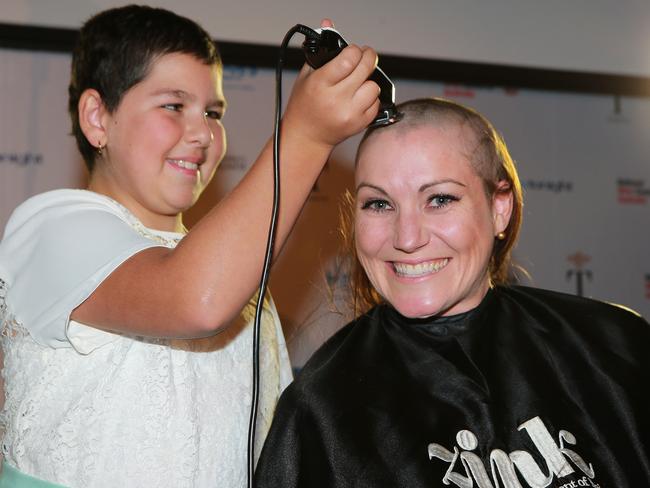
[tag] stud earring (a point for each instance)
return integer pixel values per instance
(501, 236)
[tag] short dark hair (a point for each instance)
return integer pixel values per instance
(490, 159)
(115, 50)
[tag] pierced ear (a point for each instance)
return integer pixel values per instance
(91, 117)
(502, 203)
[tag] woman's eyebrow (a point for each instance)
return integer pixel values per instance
(369, 185)
(422, 188)
(426, 186)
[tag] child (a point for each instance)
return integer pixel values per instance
(115, 374)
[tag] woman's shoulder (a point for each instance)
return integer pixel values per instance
(342, 340)
(574, 308)
(338, 354)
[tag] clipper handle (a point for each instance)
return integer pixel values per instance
(323, 49)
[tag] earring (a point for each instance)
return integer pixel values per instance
(100, 149)
(501, 236)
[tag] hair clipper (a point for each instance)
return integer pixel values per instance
(319, 50)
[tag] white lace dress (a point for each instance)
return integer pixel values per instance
(87, 408)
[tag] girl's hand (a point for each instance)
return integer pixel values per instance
(336, 101)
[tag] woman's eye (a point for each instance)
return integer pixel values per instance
(439, 201)
(213, 114)
(376, 205)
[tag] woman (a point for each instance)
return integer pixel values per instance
(451, 377)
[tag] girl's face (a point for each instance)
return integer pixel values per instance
(164, 141)
(424, 226)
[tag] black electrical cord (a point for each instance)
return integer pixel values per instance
(269, 244)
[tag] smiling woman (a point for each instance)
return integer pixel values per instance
(469, 204)
(424, 223)
(450, 375)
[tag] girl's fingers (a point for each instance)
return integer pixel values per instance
(366, 97)
(364, 67)
(342, 65)
(326, 23)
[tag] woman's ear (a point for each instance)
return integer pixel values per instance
(502, 202)
(91, 117)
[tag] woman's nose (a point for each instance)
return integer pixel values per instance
(410, 233)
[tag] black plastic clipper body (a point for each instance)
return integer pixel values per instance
(319, 51)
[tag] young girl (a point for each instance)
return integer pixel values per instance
(115, 374)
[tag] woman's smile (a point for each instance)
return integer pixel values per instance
(418, 270)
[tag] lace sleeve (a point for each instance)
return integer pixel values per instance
(54, 255)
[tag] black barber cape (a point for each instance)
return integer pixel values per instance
(531, 389)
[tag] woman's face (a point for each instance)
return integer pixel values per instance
(424, 227)
(164, 140)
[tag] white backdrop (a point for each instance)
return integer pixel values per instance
(601, 36)
(583, 160)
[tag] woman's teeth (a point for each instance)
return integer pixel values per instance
(420, 269)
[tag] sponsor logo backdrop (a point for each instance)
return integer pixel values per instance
(583, 161)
